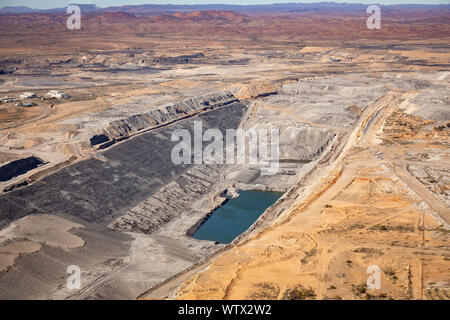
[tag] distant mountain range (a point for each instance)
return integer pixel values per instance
(325, 21)
(281, 8)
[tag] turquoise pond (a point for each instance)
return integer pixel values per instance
(236, 216)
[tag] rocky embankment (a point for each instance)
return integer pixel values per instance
(123, 128)
(170, 201)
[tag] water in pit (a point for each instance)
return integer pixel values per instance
(236, 216)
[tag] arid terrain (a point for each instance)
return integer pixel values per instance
(86, 176)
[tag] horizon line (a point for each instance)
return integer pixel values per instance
(227, 4)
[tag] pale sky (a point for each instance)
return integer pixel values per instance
(47, 4)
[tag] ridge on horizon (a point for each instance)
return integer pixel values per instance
(288, 7)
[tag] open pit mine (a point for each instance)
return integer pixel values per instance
(362, 179)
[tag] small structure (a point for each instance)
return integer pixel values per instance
(28, 104)
(57, 94)
(28, 95)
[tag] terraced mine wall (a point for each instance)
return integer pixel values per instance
(94, 190)
(123, 128)
(170, 201)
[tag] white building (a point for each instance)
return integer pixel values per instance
(28, 95)
(57, 94)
